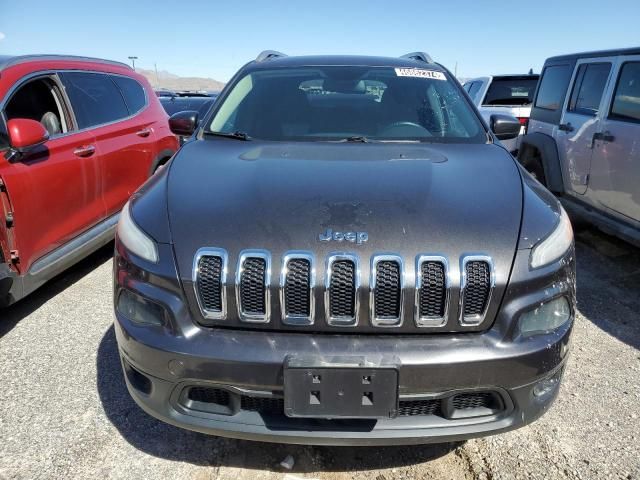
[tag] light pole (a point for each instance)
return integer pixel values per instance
(133, 61)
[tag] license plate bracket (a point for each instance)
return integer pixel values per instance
(320, 389)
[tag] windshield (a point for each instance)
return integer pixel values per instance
(332, 103)
(511, 91)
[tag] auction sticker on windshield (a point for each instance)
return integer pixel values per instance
(420, 73)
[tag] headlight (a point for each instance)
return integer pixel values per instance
(134, 239)
(545, 318)
(555, 245)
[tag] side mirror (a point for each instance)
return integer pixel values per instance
(504, 127)
(184, 123)
(25, 134)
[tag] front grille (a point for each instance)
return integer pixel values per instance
(342, 289)
(297, 292)
(297, 288)
(477, 288)
(209, 395)
(209, 283)
(252, 288)
(468, 401)
(433, 292)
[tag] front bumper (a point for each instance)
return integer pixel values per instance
(251, 364)
(245, 367)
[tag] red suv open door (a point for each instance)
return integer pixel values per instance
(54, 189)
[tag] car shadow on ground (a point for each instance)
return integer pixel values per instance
(166, 441)
(608, 284)
(11, 316)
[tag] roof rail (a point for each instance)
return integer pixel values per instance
(9, 61)
(268, 55)
(420, 56)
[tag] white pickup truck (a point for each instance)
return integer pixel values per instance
(506, 94)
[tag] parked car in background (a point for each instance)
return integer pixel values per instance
(77, 137)
(164, 92)
(344, 254)
(182, 101)
(583, 138)
(187, 101)
(506, 94)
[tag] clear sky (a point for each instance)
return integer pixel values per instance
(213, 38)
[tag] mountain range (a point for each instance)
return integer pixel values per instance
(172, 81)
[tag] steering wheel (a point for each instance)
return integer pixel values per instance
(404, 129)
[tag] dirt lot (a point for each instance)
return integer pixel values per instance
(65, 411)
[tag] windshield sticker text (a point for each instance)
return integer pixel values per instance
(420, 73)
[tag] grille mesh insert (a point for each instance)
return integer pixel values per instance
(262, 404)
(476, 292)
(473, 400)
(209, 283)
(342, 289)
(297, 287)
(410, 408)
(463, 403)
(209, 395)
(252, 288)
(433, 291)
(387, 292)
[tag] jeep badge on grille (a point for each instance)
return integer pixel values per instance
(353, 237)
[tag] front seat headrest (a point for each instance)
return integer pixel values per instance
(51, 123)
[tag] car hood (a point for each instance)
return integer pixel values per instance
(410, 199)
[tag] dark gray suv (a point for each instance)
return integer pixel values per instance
(343, 253)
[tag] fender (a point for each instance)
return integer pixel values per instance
(549, 157)
(162, 157)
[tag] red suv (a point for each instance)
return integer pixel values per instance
(77, 137)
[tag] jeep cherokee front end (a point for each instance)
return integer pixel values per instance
(343, 254)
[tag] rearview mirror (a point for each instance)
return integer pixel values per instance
(504, 127)
(184, 123)
(25, 134)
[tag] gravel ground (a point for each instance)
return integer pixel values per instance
(65, 411)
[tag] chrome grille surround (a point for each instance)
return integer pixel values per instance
(211, 252)
(425, 320)
(296, 319)
(342, 321)
(474, 320)
(386, 321)
(215, 289)
(250, 317)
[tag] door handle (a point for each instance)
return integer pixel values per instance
(145, 132)
(565, 127)
(85, 151)
(604, 136)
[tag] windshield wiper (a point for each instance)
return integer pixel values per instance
(238, 135)
(356, 139)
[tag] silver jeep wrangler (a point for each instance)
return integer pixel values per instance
(583, 137)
